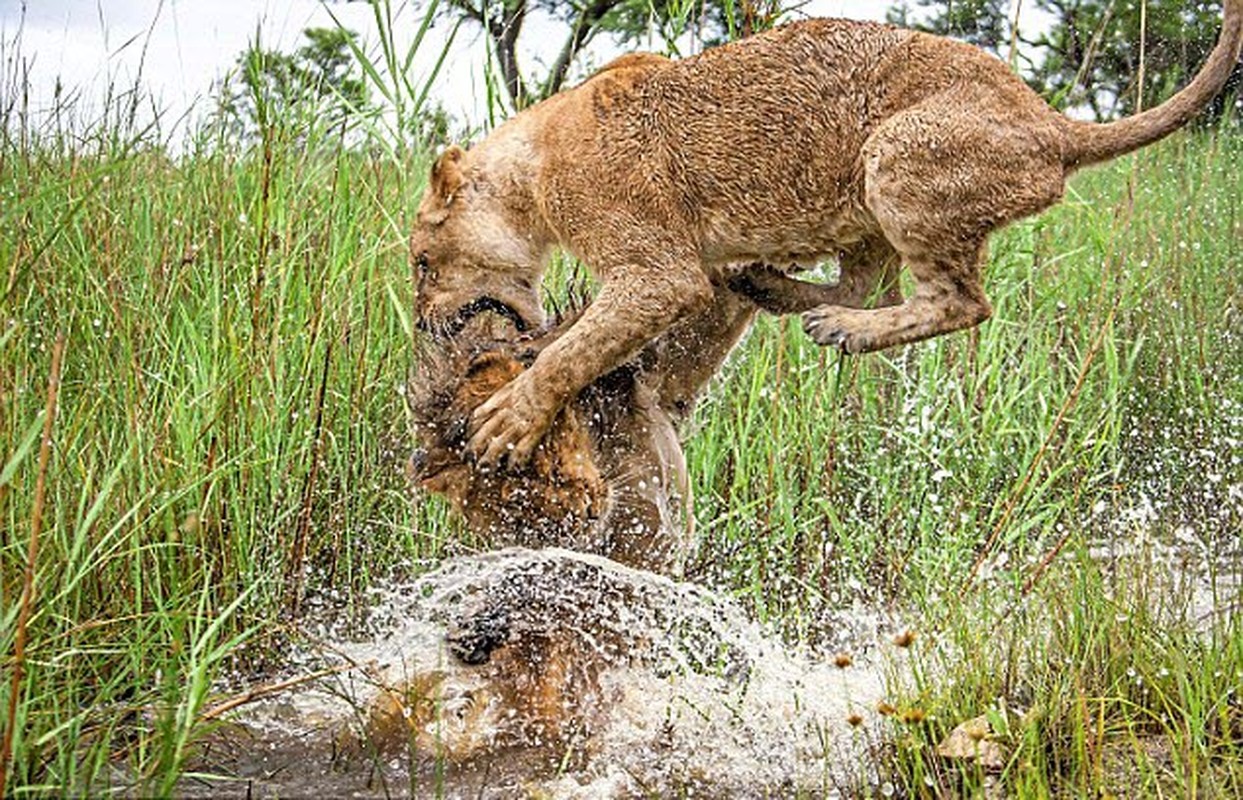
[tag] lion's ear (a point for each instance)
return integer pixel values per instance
(447, 174)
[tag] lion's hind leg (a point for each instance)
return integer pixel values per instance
(939, 179)
(867, 278)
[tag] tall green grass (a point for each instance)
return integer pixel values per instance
(227, 450)
(230, 438)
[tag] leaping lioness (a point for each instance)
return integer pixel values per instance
(879, 146)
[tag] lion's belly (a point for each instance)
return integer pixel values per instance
(789, 204)
(796, 238)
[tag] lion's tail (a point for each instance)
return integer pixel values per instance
(1092, 143)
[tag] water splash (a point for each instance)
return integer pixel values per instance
(553, 674)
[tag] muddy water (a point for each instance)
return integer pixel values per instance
(672, 691)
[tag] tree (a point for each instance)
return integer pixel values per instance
(583, 20)
(983, 23)
(318, 83)
(1092, 52)
(433, 128)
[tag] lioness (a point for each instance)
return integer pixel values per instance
(877, 145)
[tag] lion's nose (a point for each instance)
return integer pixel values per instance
(422, 319)
(473, 639)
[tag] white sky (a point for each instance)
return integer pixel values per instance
(179, 48)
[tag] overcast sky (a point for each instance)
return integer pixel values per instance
(179, 48)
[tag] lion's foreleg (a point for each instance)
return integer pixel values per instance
(630, 311)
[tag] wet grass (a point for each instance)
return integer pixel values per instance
(226, 454)
(1096, 683)
(1057, 497)
(229, 442)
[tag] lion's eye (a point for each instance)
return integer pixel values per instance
(420, 263)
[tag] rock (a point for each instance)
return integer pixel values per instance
(971, 741)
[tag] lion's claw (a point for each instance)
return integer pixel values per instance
(830, 327)
(825, 331)
(507, 428)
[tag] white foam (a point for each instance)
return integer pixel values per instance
(771, 719)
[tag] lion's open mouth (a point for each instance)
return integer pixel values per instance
(479, 306)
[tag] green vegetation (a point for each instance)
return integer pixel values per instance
(643, 24)
(228, 439)
(1039, 494)
(1091, 53)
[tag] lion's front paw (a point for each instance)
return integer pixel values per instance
(833, 326)
(511, 424)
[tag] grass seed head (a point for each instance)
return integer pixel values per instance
(904, 639)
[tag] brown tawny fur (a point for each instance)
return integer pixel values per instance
(882, 147)
(527, 642)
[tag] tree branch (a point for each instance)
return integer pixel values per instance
(584, 29)
(505, 37)
(502, 26)
(473, 13)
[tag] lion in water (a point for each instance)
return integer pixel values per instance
(610, 477)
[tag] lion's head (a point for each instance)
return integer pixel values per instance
(470, 249)
(555, 500)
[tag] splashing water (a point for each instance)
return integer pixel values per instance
(523, 673)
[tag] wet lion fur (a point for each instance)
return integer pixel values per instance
(610, 477)
(881, 147)
(529, 635)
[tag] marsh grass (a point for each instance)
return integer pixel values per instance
(966, 480)
(1100, 681)
(230, 441)
(228, 449)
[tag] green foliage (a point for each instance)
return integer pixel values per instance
(319, 83)
(629, 22)
(231, 429)
(984, 23)
(710, 23)
(433, 128)
(1092, 53)
(327, 84)
(1101, 682)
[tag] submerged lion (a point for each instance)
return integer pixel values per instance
(523, 666)
(881, 147)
